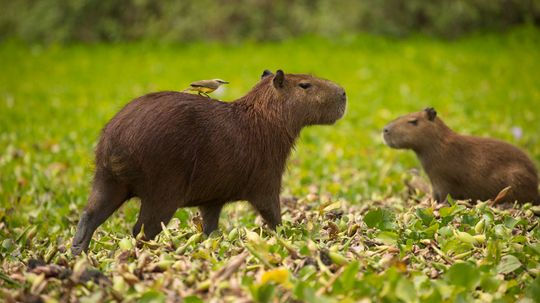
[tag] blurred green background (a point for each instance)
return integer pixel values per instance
(68, 66)
(260, 20)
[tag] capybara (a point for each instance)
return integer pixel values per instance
(466, 167)
(174, 149)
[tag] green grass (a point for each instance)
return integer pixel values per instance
(355, 232)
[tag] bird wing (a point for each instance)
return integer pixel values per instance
(205, 83)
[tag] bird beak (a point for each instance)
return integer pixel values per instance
(225, 82)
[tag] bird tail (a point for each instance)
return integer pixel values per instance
(186, 90)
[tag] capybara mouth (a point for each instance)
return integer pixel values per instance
(388, 141)
(333, 114)
(342, 107)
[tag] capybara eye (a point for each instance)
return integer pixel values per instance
(413, 122)
(305, 85)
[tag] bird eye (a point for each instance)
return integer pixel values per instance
(413, 122)
(305, 85)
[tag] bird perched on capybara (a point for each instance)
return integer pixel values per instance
(204, 87)
(174, 149)
(466, 167)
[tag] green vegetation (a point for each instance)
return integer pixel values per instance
(354, 231)
(262, 20)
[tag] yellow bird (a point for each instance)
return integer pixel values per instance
(203, 87)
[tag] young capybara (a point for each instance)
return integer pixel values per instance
(174, 149)
(465, 167)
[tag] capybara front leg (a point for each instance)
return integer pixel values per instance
(270, 210)
(440, 196)
(153, 212)
(210, 216)
(106, 196)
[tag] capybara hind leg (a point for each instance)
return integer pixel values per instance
(210, 215)
(270, 210)
(106, 196)
(152, 214)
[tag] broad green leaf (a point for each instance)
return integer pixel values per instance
(447, 211)
(305, 293)
(426, 215)
(533, 291)
(265, 293)
(489, 283)
(373, 218)
(510, 222)
(405, 290)
(508, 264)
(348, 277)
(463, 274)
(152, 296)
(387, 237)
(379, 218)
(193, 299)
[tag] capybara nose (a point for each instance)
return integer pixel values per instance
(342, 94)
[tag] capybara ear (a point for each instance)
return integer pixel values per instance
(431, 113)
(279, 79)
(266, 73)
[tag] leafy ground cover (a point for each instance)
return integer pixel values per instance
(355, 226)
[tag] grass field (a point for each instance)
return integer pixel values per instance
(353, 233)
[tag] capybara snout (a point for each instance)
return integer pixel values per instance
(337, 103)
(411, 131)
(321, 101)
(332, 107)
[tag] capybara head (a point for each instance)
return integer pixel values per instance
(310, 100)
(414, 131)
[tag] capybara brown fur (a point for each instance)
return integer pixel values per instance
(174, 149)
(466, 167)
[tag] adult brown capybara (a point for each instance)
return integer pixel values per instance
(465, 167)
(175, 149)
